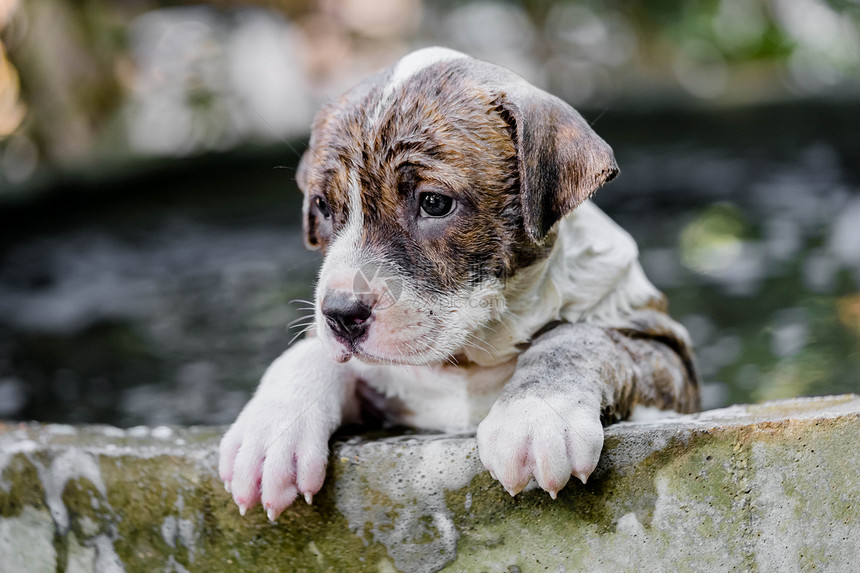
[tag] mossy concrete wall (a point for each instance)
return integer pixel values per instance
(774, 487)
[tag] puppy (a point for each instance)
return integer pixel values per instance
(467, 283)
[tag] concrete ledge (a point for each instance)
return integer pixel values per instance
(773, 487)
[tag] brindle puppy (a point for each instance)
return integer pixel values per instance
(467, 282)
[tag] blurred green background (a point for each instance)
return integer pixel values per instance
(149, 228)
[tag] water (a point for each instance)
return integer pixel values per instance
(161, 296)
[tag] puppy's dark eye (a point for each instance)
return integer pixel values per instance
(322, 206)
(436, 204)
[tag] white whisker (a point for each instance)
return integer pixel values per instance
(301, 319)
(299, 333)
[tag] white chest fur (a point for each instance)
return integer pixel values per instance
(444, 398)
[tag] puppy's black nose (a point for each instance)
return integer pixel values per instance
(346, 316)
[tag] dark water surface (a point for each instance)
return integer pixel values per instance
(160, 294)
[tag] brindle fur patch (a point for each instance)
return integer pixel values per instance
(611, 369)
(445, 129)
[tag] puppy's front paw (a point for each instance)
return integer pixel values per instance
(544, 438)
(273, 452)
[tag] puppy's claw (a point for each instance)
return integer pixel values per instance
(553, 494)
(227, 486)
(272, 514)
(492, 474)
(242, 509)
(583, 477)
(309, 498)
(513, 490)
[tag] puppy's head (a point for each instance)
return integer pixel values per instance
(428, 186)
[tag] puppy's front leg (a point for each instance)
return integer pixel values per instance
(278, 446)
(548, 421)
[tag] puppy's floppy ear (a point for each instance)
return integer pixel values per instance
(310, 219)
(562, 162)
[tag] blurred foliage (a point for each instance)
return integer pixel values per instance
(713, 242)
(98, 79)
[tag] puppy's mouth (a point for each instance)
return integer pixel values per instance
(346, 350)
(369, 358)
(405, 353)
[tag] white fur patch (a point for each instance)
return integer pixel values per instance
(352, 231)
(442, 398)
(342, 260)
(407, 67)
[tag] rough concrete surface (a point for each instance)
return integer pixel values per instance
(772, 487)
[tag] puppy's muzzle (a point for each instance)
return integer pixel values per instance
(347, 316)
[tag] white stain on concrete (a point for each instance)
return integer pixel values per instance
(26, 542)
(416, 487)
